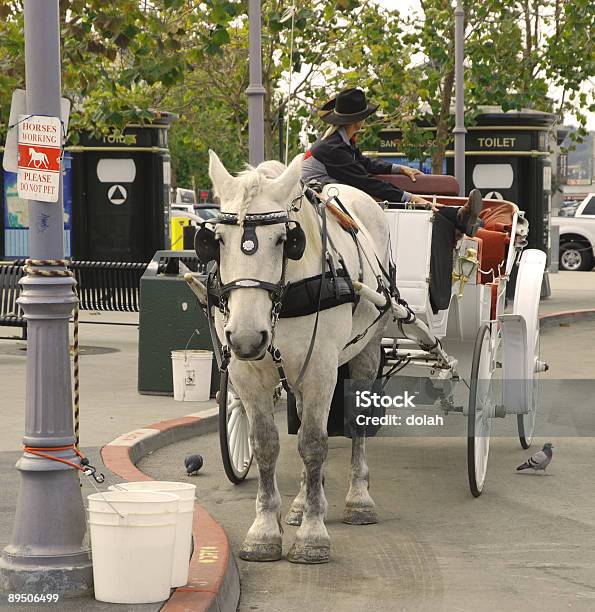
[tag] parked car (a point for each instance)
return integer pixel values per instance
(206, 211)
(577, 237)
(568, 209)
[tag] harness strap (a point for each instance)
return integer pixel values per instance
(381, 313)
(323, 233)
(251, 283)
(352, 230)
(210, 319)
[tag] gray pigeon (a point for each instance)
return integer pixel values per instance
(540, 460)
(193, 463)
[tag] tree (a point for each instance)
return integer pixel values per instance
(122, 59)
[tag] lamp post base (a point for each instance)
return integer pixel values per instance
(73, 577)
(48, 552)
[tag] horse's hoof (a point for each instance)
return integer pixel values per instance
(260, 552)
(360, 516)
(309, 553)
(294, 517)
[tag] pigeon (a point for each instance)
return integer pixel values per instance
(193, 463)
(540, 460)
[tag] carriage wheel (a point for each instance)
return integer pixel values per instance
(526, 304)
(481, 409)
(526, 422)
(234, 433)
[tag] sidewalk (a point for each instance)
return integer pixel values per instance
(570, 291)
(111, 405)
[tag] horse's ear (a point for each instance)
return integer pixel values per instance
(220, 177)
(285, 183)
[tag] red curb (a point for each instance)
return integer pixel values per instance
(567, 314)
(117, 460)
(207, 566)
(211, 558)
(179, 422)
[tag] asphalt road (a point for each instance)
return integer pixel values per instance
(528, 543)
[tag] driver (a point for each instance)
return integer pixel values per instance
(335, 158)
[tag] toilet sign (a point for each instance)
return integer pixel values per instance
(39, 152)
(117, 194)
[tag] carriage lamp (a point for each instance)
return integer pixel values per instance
(466, 265)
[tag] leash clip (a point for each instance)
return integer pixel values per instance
(92, 471)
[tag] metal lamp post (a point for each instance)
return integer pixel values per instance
(255, 91)
(47, 553)
(459, 130)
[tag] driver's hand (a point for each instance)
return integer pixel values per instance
(410, 172)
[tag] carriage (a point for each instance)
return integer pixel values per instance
(506, 339)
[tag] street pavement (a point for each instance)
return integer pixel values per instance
(528, 543)
(111, 405)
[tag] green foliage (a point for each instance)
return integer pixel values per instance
(121, 59)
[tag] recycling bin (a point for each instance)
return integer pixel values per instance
(170, 319)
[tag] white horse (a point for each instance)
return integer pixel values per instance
(247, 330)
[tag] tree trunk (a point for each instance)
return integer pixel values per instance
(528, 34)
(442, 125)
(269, 137)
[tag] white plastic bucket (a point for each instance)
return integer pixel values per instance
(192, 375)
(132, 542)
(183, 544)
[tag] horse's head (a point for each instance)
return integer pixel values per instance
(254, 239)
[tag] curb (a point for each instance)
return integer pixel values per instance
(549, 320)
(213, 580)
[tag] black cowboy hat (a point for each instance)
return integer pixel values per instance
(350, 106)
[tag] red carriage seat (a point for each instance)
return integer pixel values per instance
(497, 216)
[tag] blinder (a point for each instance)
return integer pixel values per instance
(207, 246)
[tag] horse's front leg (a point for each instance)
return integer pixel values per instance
(360, 508)
(312, 542)
(263, 540)
(294, 516)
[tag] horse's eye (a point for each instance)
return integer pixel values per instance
(219, 238)
(282, 238)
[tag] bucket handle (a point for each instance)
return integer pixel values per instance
(122, 516)
(187, 343)
(195, 331)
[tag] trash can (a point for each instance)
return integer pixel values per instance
(170, 319)
(120, 192)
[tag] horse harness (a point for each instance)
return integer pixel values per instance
(333, 286)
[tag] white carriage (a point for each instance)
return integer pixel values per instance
(506, 339)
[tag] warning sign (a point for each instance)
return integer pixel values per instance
(40, 147)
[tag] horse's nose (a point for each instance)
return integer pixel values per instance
(247, 344)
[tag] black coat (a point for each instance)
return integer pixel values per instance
(344, 163)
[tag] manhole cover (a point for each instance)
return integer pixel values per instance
(20, 348)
